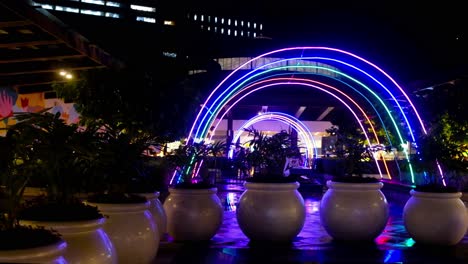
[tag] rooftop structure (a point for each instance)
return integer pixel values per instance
(37, 49)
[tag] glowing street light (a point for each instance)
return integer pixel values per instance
(66, 74)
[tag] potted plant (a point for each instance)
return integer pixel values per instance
(118, 164)
(362, 212)
(442, 149)
(271, 208)
(18, 243)
(58, 153)
(124, 118)
(194, 211)
(152, 181)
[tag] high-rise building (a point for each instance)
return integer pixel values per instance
(141, 32)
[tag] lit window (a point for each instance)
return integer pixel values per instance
(235, 23)
(216, 19)
(113, 15)
(216, 29)
(96, 2)
(261, 26)
(255, 25)
(229, 22)
(170, 54)
(169, 23)
(195, 17)
(248, 24)
(209, 28)
(59, 8)
(209, 18)
(242, 23)
(248, 33)
(143, 8)
(254, 34)
(222, 30)
(91, 12)
(112, 4)
(202, 18)
(222, 20)
(235, 32)
(242, 33)
(229, 32)
(48, 7)
(71, 10)
(146, 19)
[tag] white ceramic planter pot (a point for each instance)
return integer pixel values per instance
(157, 210)
(52, 254)
(435, 218)
(87, 242)
(271, 211)
(354, 211)
(132, 230)
(193, 214)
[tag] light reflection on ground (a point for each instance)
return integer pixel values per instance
(313, 235)
(312, 245)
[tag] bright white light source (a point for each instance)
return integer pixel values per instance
(143, 8)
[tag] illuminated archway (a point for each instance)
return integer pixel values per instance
(302, 131)
(369, 80)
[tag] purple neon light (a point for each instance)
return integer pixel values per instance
(310, 85)
(306, 48)
(305, 80)
(388, 111)
(300, 127)
(279, 61)
(302, 80)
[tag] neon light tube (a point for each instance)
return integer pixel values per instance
(300, 127)
(314, 86)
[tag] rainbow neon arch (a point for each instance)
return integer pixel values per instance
(301, 129)
(366, 86)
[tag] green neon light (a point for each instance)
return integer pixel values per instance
(241, 84)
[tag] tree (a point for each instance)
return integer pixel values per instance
(445, 145)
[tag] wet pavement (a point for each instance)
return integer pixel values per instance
(312, 245)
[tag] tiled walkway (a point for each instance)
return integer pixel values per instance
(312, 245)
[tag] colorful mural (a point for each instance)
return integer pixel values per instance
(11, 102)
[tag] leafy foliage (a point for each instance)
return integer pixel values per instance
(446, 144)
(119, 157)
(17, 165)
(188, 160)
(61, 152)
(268, 153)
(133, 96)
(351, 148)
(22, 237)
(46, 152)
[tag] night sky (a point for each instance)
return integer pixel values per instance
(419, 44)
(413, 41)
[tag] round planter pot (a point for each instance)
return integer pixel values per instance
(193, 214)
(51, 254)
(271, 211)
(354, 211)
(435, 218)
(87, 242)
(132, 230)
(157, 210)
